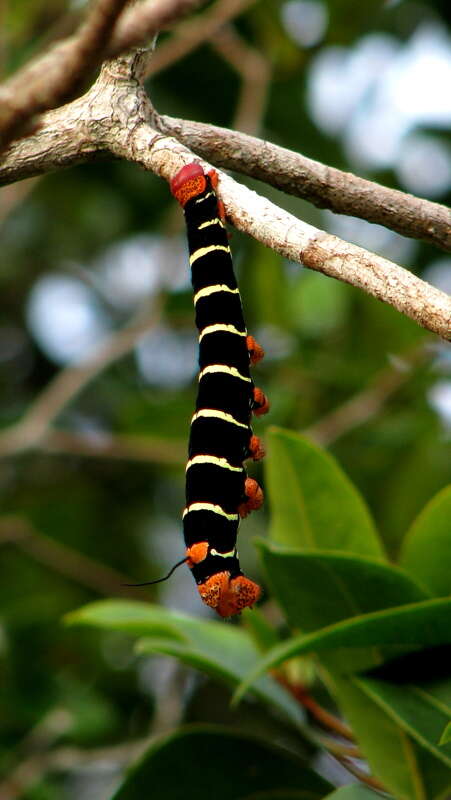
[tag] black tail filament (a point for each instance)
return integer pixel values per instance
(159, 580)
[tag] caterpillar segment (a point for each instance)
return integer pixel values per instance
(218, 492)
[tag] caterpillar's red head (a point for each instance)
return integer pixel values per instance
(189, 182)
(228, 596)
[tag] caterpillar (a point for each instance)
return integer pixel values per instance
(218, 491)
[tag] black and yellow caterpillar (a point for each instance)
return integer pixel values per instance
(218, 493)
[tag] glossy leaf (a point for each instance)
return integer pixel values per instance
(415, 625)
(446, 735)
(316, 588)
(207, 761)
(405, 768)
(224, 651)
(426, 552)
(313, 503)
(415, 709)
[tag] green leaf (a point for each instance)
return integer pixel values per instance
(226, 652)
(426, 551)
(418, 624)
(415, 709)
(208, 761)
(407, 770)
(316, 588)
(446, 735)
(314, 505)
(353, 792)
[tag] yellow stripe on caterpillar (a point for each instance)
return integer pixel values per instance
(231, 554)
(215, 221)
(212, 368)
(208, 290)
(201, 199)
(216, 414)
(218, 462)
(210, 507)
(221, 327)
(204, 251)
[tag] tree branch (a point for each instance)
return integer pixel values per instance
(48, 80)
(113, 117)
(63, 559)
(139, 23)
(300, 242)
(364, 405)
(324, 186)
(68, 383)
(120, 446)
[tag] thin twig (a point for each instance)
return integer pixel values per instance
(339, 749)
(330, 722)
(324, 186)
(363, 777)
(327, 720)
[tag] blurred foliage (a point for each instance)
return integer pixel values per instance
(326, 344)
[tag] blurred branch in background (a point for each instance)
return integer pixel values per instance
(367, 404)
(68, 383)
(121, 447)
(63, 559)
(354, 412)
(324, 186)
(190, 34)
(43, 760)
(255, 73)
